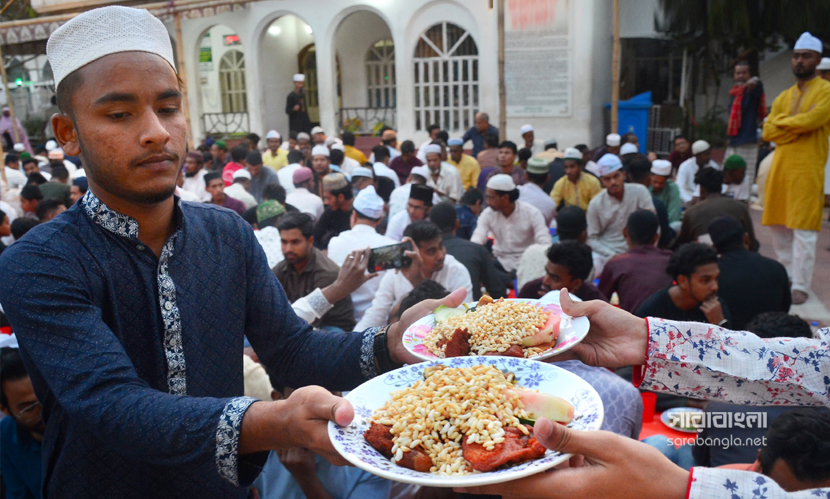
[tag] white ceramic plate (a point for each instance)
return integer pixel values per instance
(673, 418)
(372, 394)
(572, 330)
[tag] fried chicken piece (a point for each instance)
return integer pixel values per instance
(513, 351)
(517, 448)
(380, 438)
(484, 300)
(458, 345)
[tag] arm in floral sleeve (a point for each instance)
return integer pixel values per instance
(714, 483)
(706, 362)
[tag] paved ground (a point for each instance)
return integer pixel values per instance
(816, 307)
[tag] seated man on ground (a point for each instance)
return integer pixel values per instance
(420, 201)
(338, 198)
(216, 187)
(429, 261)
(569, 264)
(641, 271)
(468, 210)
(239, 189)
(570, 226)
(663, 188)
(268, 215)
(576, 188)
(532, 193)
(302, 196)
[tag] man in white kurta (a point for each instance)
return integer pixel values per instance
(686, 171)
(443, 177)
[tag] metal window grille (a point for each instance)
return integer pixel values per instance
(232, 82)
(380, 75)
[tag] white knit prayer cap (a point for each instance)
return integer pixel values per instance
(320, 151)
(299, 77)
(272, 134)
(368, 203)
(808, 42)
(432, 149)
(628, 148)
(608, 163)
(661, 167)
(612, 139)
(501, 182)
(101, 32)
(824, 65)
(573, 153)
(700, 146)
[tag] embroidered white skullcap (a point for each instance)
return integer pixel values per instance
(501, 182)
(19, 147)
(51, 145)
(320, 151)
(368, 203)
(362, 171)
(608, 164)
(824, 65)
(573, 153)
(661, 167)
(272, 134)
(420, 170)
(612, 139)
(303, 135)
(317, 129)
(526, 128)
(101, 32)
(808, 42)
(432, 149)
(338, 146)
(628, 148)
(700, 146)
(242, 174)
(299, 77)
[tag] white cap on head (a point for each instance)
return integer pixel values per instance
(317, 129)
(272, 134)
(661, 167)
(824, 65)
(808, 42)
(420, 170)
(501, 182)
(51, 145)
(432, 149)
(628, 148)
(299, 77)
(700, 146)
(320, 151)
(612, 139)
(608, 164)
(19, 147)
(100, 32)
(242, 174)
(526, 128)
(368, 203)
(338, 146)
(573, 153)
(362, 171)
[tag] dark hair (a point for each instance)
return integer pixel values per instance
(570, 223)
(422, 231)
(573, 256)
(347, 138)
(471, 196)
(686, 260)
(239, 153)
(433, 127)
(510, 145)
(2, 216)
(66, 89)
(680, 136)
(30, 192)
(537, 178)
(253, 138)
(293, 134)
(250, 217)
(294, 156)
(442, 136)
(35, 178)
(28, 160)
(551, 145)
(642, 226)
(443, 215)
(60, 172)
(581, 148)
(407, 146)
(710, 179)
(427, 290)
(779, 324)
(639, 168)
(253, 157)
(381, 153)
(800, 438)
(275, 192)
(11, 369)
(491, 139)
(211, 176)
(525, 154)
(21, 226)
(82, 184)
(346, 191)
(336, 157)
(512, 196)
(47, 206)
(626, 137)
(384, 187)
(297, 220)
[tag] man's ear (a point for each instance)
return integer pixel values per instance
(66, 134)
(576, 285)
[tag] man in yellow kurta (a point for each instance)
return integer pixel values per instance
(468, 167)
(799, 124)
(575, 188)
(274, 157)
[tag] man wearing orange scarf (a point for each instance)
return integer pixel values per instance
(749, 107)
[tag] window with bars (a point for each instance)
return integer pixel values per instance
(232, 82)
(446, 78)
(380, 74)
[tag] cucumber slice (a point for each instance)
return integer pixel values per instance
(531, 422)
(443, 313)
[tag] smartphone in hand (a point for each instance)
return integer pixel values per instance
(389, 257)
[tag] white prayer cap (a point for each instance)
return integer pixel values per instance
(608, 164)
(432, 149)
(573, 153)
(241, 174)
(362, 171)
(299, 77)
(824, 65)
(320, 151)
(526, 128)
(51, 145)
(303, 135)
(628, 148)
(808, 42)
(612, 139)
(420, 170)
(455, 142)
(19, 147)
(700, 146)
(317, 129)
(501, 182)
(368, 203)
(272, 134)
(101, 32)
(661, 167)
(338, 146)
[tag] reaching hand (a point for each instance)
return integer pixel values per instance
(397, 351)
(304, 417)
(352, 275)
(614, 466)
(616, 338)
(413, 273)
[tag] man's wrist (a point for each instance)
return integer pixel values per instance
(384, 359)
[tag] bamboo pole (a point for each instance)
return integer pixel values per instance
(183, 75)
(615, 70)
(502, 88)
(8, 97)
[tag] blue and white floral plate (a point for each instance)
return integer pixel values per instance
(372, 394)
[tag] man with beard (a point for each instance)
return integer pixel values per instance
(21, 431)
(194, 175)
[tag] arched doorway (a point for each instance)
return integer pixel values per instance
(223, 94)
